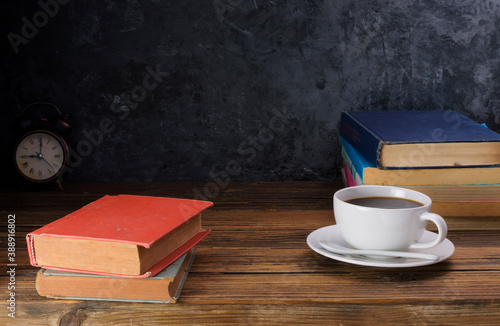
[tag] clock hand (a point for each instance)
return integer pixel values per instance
(25, 156)
(40, 140)
(40, 156)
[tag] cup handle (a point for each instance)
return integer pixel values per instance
(442, 231)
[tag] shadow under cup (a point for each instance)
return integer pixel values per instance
(385, 228)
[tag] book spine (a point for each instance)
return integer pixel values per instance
(362, 139)
(348, 178)
(349, 167)
(356, 162)
(31, 249)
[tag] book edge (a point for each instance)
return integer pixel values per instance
(184, 277)
(158, 267)
(189, 255)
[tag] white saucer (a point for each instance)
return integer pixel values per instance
(331, 234)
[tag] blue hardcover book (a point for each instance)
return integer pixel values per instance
(419, 139)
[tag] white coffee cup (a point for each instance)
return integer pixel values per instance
(385, 228)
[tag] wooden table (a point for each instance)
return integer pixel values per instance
(256, 268)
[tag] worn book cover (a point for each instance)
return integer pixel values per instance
(365, 172)
(165, 287)
(413, 139)
(124, 235)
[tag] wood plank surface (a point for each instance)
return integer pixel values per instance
(256, 268)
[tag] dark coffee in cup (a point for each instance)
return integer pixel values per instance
(384, 202)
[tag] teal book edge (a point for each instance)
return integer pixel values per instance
(356, 164)
(354, 161)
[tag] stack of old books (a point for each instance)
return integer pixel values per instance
(126, 248)
(449, 157)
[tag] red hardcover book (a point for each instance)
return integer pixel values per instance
(124, 235)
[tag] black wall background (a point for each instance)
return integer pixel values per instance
(250, 87)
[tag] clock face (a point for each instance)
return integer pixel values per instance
(40, 156)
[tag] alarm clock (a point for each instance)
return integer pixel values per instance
(41, 151)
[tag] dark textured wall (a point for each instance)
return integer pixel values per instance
(198, 90)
